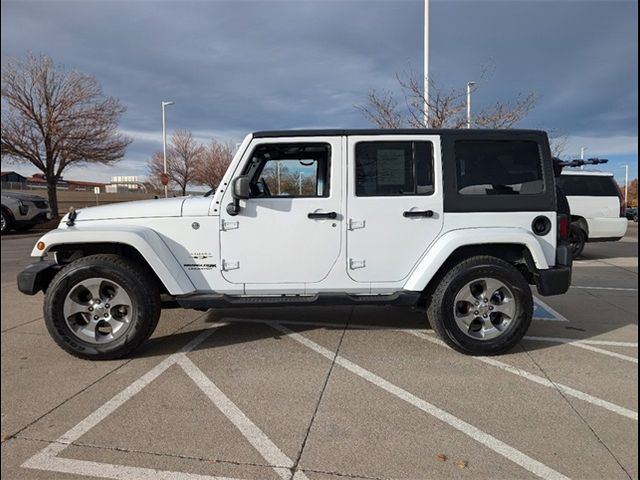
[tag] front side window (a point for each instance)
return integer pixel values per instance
(394, 168)
(497, 167)
(289, 170)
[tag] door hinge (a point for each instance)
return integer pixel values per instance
(226, 225)
(226, 266)
(355, 264)
(356, 224)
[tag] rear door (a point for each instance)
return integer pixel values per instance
(591, 195)
(394, 204)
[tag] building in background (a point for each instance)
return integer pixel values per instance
(126, 183)
(13, 180)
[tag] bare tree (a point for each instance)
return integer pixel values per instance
(184, 154)
(446, 107)
(214, 163)
(54, 118)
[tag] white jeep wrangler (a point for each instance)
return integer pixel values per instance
(459, 222)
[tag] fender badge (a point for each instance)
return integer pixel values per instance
(195, 225)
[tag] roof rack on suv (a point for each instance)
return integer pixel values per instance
(558, 164)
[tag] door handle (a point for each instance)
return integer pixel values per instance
(321, 215)
(418, 213)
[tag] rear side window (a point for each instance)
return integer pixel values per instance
(498, 167)
(587, 186)
(394, 168)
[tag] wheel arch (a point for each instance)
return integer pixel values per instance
(581, 222)
(142, 245)
(517, 247)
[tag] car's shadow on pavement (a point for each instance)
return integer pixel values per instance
(239, 326)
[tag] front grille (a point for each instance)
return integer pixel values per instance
(41, 204)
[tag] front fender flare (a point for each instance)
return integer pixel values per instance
(144, 240)
(448, 243)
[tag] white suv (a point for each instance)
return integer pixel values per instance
(597, 207)
(458, 222)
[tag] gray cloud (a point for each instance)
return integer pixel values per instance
(234, 67)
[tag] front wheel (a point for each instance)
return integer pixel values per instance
(5, 226)
(101, 307)
(482, 306)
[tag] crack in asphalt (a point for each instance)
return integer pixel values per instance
(580, 416)
(295, 468)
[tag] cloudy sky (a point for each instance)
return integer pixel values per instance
(238, 66)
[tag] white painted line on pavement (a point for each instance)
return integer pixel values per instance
(605, 343)
(586, 346)
(263, 444)
(47, 459)
(612, 407)
(606, 288)
(476, 434)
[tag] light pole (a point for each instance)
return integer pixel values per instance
(626, 185)
(582, 149)
(469, 85)
(426, 64)
(164, 144)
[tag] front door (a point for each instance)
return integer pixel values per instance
(394, 204)
(288, 232)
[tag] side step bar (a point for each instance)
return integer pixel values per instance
(206, 301)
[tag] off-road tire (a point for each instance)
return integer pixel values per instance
(440, 309)
(138, 284)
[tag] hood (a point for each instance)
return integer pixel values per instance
(165, 207)
(23, 196)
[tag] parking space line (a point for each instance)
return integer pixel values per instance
(606, 288)
(586, 346)
(47, 459)
(507, 451)
(604, 343)
(612, 407)
(260, 441)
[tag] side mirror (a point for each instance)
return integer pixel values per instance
(240, 190)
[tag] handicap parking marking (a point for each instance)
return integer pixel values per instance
(48, 459)
(542, 311)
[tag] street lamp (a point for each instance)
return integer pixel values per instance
(426, 64)
(164, 144)
(469, 85)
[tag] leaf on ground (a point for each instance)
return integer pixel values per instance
(462, 464)
(442, 457)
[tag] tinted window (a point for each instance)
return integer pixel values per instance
(289, 170)
(394, 168)
(492, 167)
(587, 185)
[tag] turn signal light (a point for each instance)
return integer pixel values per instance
(40, 246)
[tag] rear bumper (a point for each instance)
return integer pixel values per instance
(607, 229)
(553, 281)
(37, 276)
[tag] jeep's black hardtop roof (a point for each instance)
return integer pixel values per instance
(461, 132)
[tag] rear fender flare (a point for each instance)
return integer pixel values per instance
(448, 243)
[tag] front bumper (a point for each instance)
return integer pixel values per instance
(37, 276)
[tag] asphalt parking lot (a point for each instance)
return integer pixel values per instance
(324, 393)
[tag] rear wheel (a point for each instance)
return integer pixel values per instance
(482, 306)
(577, 239)
(101, 307)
